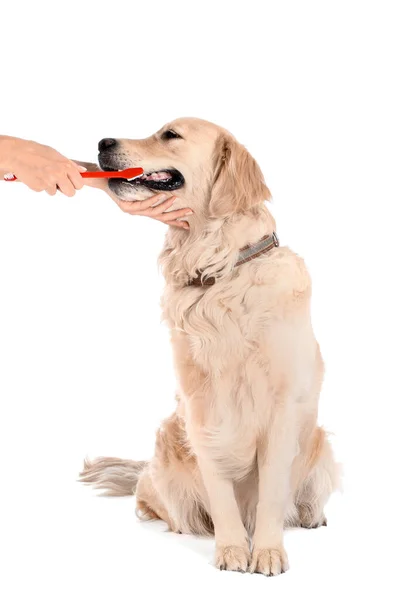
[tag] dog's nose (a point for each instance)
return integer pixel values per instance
(107, 144)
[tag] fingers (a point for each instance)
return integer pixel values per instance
(52, 190)
(67, 181)
(174, 214)
(146, 208)
(42, 168)
(94, 182)
(101, 184)
(165, 201)
(65, 186)
(86, 166)
(180, 224)
(74, 175)
(131, 208)
(154, 211)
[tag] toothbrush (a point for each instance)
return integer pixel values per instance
(128, 174)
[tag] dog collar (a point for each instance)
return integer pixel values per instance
(246, 254)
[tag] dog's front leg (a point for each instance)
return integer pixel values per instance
(275, 456)
(232, 545)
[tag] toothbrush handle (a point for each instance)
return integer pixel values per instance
(126, 174)
(85, 174)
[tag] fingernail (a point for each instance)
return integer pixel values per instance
(82, 169)
(189, 212)
(163, 197)
(186, 226)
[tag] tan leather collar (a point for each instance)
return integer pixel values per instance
(247, 253)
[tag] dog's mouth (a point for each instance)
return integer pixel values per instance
(161, 181)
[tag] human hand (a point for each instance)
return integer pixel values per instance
(40, 167)
(155, 208)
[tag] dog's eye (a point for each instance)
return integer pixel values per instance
(171, 135)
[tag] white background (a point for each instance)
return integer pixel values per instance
(312, 89)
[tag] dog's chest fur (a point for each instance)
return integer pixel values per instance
(234, 343)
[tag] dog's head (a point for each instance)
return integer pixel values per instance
(201, 163)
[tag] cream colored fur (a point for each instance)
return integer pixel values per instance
(243, 455)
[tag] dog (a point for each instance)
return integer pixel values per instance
(242, 457)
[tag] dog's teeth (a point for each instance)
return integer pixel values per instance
(158, 176)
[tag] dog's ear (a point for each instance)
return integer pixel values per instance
(238, 183)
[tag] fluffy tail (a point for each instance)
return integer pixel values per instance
(116, 476)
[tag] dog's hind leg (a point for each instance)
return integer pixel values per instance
(321, 480)
(149, 504)
(171, 488)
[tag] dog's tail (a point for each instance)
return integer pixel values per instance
(116, 476)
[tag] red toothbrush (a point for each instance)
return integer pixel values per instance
(125, 174)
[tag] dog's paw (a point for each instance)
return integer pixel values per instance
(232, 558)
(315, 524)
(269, 561)
(310, 521)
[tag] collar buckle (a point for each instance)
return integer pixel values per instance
(247, 253)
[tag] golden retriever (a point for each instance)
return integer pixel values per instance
(242, 456)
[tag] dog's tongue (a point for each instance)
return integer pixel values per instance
(158, 176)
